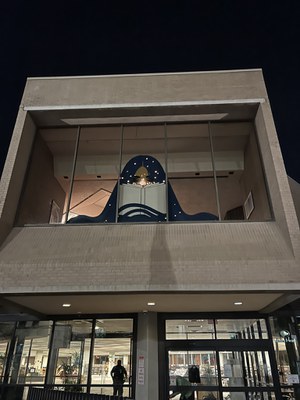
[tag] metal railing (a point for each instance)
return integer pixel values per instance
(35, 393)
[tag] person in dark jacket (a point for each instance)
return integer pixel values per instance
(119, 375)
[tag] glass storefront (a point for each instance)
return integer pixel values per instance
(171, 172)
(201, 358)
(31, 352)
(70, 355)
(220, 358)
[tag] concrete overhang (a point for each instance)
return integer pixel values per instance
(98, 303)
(107, 114)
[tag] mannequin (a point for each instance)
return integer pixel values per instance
(194, 375)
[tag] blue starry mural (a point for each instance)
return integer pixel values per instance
(144, 196)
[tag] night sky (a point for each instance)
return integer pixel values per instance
(96, 37)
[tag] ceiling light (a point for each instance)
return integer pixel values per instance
(151, 304)
(238, 303)
(144, 118)
(66, 305)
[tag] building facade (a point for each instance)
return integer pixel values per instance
(149, 218)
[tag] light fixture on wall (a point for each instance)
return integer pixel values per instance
(238, 303)
(144, 119)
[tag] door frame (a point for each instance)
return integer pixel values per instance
(216, 345)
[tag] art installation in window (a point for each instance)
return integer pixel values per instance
(144, 196)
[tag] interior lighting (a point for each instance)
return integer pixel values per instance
(66, 305)
(238, 303)
(144, 119)
(151, 303)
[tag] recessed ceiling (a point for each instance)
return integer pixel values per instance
(138, 302)
(58, 117)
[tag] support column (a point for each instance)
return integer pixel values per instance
(147, 357)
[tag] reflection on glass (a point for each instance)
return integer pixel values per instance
(47, 184)
(113, 342)
(225, 329)
(239, 171)
(190, 329)
(193, 367)
(71, 349)
(106, 353)
(108, 390)
(6, 332)
(114, 327)
(31, 352)
(285, 344)
(241, 329)
(247, 368)
(288, 393)
(190, 173)
(249, 395)
(96, 172)
(200, 170)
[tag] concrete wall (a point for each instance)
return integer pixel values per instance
(143, 89)
(253, 180)
(41, 187)
(295, 189)
(147, 357)
(121, 257)
(14, 171)
(277, 181)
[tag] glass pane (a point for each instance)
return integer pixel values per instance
(106, 354)
(190, 329)
(114, 327)
(259, 329)
(249, 395)
(192, 195)
(46, 188)
(288, 393)
(31, 352)
(95, 181)
(71, 351)
(6, 332)
(113, 342)
(239, 172)
(143, 189)
(108, 390)
(286, 348)
(249, 368)
(241, 329)
(195, 368)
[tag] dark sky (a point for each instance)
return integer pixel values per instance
(94, 37)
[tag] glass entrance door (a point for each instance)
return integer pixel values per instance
(230, 374)
(218, 359)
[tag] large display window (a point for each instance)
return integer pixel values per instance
(175, 172)
(72, 355)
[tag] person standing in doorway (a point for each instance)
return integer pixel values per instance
(119, 375)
